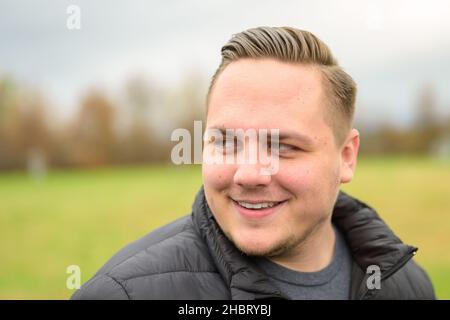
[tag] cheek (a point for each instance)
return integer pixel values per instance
(295, 178)
(308, 176)
(217, 177)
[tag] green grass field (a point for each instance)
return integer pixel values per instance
(82, 217)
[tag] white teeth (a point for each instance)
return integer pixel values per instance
(260, 205)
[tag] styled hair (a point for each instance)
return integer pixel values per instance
(292, 45)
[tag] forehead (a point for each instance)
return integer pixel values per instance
(267, 93)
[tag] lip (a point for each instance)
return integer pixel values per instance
(259, 213)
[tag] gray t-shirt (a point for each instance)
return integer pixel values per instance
(332, 282)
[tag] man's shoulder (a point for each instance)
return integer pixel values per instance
(173, 248)
(174, 236)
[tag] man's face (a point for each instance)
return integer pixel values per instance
(268, 94)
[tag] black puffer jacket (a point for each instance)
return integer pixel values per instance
(191, 258)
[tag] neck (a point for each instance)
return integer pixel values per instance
(313, 254)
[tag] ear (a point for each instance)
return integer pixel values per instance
(349, 154)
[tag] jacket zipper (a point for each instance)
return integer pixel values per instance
(399, 264)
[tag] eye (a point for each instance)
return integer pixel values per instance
(285, 149)
(226, 145)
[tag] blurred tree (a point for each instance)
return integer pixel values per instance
(427, 128)
(93, 137)
(139, 145)
(11, 153)
(189, 102)
(420, 138)
(24, 130)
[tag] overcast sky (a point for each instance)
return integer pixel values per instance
(391, 48)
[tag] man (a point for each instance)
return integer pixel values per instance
(288, 234)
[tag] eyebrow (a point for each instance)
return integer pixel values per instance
(284, 135)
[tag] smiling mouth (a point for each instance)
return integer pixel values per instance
(257, 209)
(258, 205)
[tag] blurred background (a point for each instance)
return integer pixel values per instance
(86, 116)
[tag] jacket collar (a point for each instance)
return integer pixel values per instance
(245, 280)
(370, 240)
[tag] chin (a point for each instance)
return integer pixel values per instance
(261, 246)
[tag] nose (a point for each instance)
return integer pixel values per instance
(250, 176)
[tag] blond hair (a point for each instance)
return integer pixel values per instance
(297, 46)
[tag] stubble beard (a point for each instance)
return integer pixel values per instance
(283, 247)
